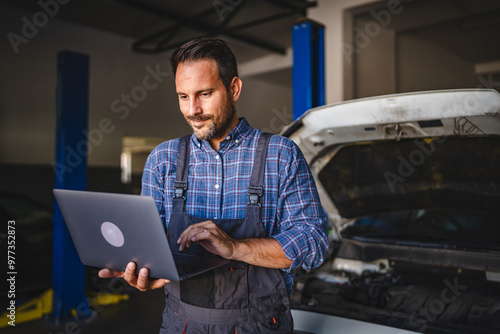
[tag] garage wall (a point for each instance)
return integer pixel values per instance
(375, 70)
(396, 63)
(331, 14)
(423, 65)
(27, 102)
(28, 84)
(267, 94)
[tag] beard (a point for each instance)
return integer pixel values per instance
(217, 126)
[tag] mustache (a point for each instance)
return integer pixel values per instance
(199, 118)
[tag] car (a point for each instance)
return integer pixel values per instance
(410, 184)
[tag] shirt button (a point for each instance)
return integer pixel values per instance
(236, 141)
(216, 186)
(228, 137)
(217, 157)
(215, 217)
(199, 145)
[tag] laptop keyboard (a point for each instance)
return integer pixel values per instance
(184, 268)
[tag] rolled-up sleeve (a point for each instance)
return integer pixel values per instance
(301, 219)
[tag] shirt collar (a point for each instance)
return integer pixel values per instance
(234, 138)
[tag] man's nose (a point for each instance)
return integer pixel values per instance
(194, 107)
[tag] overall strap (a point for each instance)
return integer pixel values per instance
(181, 175)
(255, 190)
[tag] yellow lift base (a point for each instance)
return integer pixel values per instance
(104, 299)
(42, 305)
(32, 310)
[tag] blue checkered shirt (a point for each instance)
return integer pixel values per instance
(218, 183)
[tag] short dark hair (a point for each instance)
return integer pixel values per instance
(208, 48)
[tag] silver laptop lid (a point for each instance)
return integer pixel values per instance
(110, 230)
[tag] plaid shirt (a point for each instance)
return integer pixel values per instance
(218, 183)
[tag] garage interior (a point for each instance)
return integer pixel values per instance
(371, 48)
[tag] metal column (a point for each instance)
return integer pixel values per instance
(68, 273)
(308, 66)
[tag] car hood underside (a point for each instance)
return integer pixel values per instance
(444, 172)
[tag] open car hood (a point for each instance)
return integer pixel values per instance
(405, 151)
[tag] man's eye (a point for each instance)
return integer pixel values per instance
(205, 94)
(183, 97)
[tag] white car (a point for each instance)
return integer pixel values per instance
(411, 186)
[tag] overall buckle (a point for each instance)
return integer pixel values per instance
(180, 189)
(254, 195)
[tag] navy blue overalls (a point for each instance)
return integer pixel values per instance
(237, 298)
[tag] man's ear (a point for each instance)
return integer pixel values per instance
(235, 88)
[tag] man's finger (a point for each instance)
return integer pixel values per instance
(196, 228)
(108, 273)
(159, 283)
(185, 238)
(193, 233)
(129, 274)
(202, 233)
(105, 273)
(142, 279)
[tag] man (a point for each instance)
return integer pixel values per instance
(229, 191)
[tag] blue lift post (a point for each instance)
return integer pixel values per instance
(68, 273)
(308, 66)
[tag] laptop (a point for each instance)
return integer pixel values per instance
(110, 230)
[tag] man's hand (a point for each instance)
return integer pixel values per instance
(140, 282)
(263, 252)
(211, 237)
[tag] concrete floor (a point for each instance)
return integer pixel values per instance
(140, 314)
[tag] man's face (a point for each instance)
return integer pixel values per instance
(203, 99)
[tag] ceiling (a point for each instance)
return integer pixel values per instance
(468, 28)
(254, 27)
